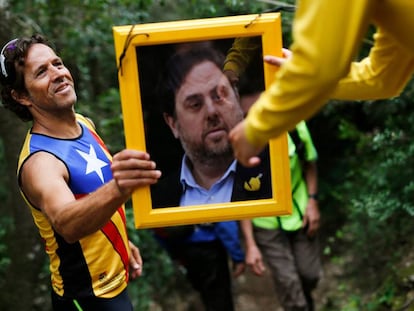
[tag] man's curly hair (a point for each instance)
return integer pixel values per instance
(15, 58)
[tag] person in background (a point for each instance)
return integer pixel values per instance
(73, 187)
(327, 35)
(200, 107)
(289, 244)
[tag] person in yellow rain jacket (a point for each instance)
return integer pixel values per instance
(327, 35)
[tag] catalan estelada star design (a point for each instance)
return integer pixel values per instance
(93, 163)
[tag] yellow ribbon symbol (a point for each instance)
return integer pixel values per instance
(253, 184)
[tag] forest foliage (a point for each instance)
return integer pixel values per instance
(366, 161)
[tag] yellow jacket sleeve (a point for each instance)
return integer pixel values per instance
(382, 74)
(241, 53)
(327, 35)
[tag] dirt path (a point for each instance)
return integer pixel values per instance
(251, 293)
(254, 293)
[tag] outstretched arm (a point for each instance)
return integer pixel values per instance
(44, 181)
(307, 80)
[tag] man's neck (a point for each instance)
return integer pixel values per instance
(64, 127)
(206, 174)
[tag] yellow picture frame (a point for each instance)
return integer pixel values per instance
(129, 41)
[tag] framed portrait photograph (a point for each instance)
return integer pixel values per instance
(183, 85)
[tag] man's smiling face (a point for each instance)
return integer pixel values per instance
(48, 82)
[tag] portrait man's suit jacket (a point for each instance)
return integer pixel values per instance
(167, 192)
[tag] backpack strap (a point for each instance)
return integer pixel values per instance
(299, 144)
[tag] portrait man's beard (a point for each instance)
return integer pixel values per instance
(207, 150)
(213, 154)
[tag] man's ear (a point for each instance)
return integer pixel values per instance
(21, 99)
(171, 122)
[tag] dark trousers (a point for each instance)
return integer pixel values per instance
(208, 272)
(118, 303)
(294, 260)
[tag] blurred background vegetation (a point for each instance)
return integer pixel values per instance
(366, 164)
